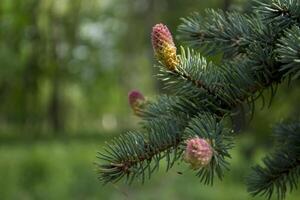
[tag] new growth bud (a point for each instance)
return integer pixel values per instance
(136, 101)
(164, 47)
(198, 152)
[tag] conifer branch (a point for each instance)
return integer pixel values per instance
(281, 169)
(219, 31)
(190, 77)
(206, 126)
(137, 154)
(282, 12)
(259, 52)
(289, 52)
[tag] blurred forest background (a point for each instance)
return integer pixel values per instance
(66, 67)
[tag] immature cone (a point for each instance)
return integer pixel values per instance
(164, 47)
(198, 152)
(136, 101)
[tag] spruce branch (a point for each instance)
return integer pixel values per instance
(205, 126)
(190, 77)
(167, 106)
(218, 32)
(254, 69)
(137, 155)
(281, 170)
(288, 51)
(259, 52)
(194, 77)
(282, 12)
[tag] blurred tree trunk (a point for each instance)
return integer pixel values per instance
(32, 70)
(55, 113)
(30, 90)
(227, 4)
(63, 33)
(55, 108)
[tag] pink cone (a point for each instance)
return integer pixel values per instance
(135, 99)
(164, 47)
(198, 152)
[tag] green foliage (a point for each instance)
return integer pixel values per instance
(137, 154)
(219, 31)
(260, 51)
(281, 169)
(167, 106)
(282, 12)
(205, 126)
(184, 81)
(288, 52)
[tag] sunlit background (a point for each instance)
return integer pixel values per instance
(66, 67)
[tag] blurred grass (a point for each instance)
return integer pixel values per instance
(63, 169)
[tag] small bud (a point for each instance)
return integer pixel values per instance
(136, 101)
(164, 47)
(198, 152)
